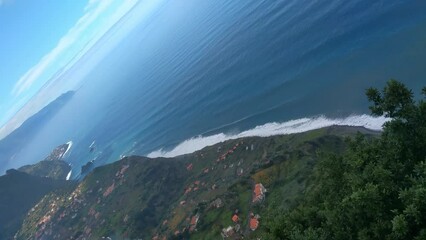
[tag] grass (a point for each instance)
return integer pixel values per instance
(150, 190)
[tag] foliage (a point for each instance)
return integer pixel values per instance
(141, 198)
(56, 169)
(376, 189)
(19, 192)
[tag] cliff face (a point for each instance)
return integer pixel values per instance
(195, 195)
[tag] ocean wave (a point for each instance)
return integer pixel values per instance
(69, 175)
(70, 143)
(272, 129)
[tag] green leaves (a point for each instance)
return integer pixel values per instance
(377, 189)
(375, 96)
(400, 226)
(395, 101)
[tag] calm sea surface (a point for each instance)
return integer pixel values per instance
(209, 67)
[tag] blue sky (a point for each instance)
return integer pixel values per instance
(40, 37)
(29, 30)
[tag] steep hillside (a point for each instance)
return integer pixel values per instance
(52, 169)
(194, 195)
(52, 166)
(375, 190)
(19, 192)
(123, 198)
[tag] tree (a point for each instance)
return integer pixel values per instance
(377, 188)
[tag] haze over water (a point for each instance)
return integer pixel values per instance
(211, 67)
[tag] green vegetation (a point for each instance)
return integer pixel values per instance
(121, 199)
(375, 190)
(52, 166)
(19, 192)
(21, 189)
(57, 169)
(140, 197)
(330, 183)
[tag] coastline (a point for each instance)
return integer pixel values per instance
(70, 143)
(272, 129)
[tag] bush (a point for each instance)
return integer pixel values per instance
(376, 189)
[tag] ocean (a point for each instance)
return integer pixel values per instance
(195, 73)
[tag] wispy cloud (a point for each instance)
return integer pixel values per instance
(4, 2)
(89, 28)
(93, 10)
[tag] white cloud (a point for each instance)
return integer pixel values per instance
(4, 2)
(93, 10)
(119, 12)
(87, 27)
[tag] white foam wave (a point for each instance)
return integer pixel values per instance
(68, 176)
(68, 149)
(272, 129)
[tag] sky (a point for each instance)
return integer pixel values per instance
(41, 38)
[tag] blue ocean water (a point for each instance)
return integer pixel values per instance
(209, 67)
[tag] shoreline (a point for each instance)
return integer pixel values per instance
(70, 143)
(272, 129)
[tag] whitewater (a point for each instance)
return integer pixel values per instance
(180, 82)
(272, 129)
(69, 143)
